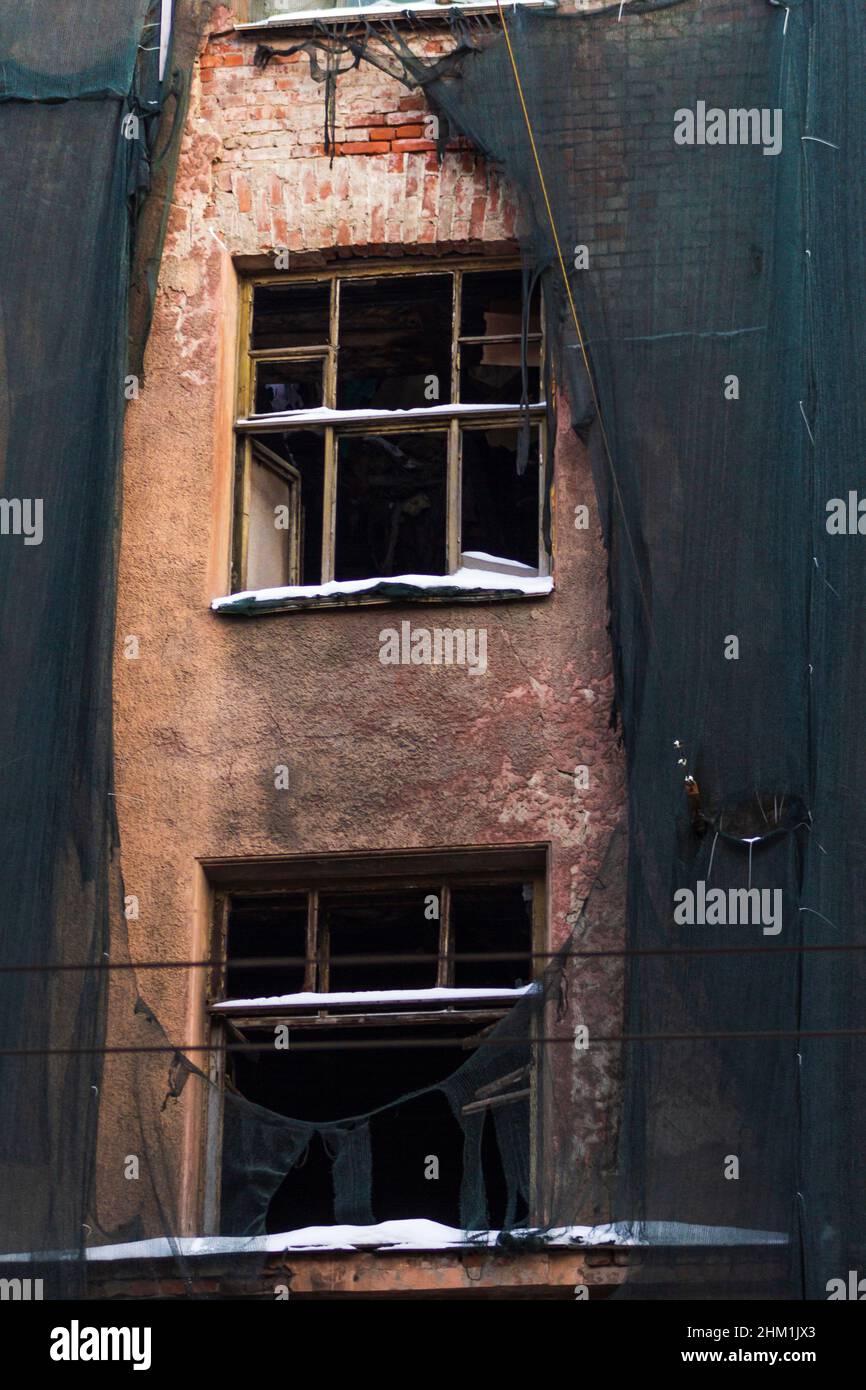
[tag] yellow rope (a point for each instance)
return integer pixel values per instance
(550, 218)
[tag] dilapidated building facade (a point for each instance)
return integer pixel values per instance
(369, 707)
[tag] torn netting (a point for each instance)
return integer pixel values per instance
(720, 293)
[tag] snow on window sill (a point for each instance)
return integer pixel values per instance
(463, 584)
(368, 997)
(382, 9)
(420, 1234)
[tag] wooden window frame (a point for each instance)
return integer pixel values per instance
(478, 870)
(452, 421)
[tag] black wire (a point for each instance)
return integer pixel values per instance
(268, 962)
(372, 1044)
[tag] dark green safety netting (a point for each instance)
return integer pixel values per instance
(82, 141)
(707, 262)
(719, 287)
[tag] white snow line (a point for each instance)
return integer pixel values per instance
(307, 1000)
(325, 415)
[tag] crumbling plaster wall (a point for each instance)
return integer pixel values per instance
(379, 757)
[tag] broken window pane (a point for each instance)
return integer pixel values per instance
(284, 544)
(500, 507)
(376, 924)
(492, 304)
(391, 491)
(289, 385)
(266, 927)
(291, 316)
(395, 342)
(494, 920)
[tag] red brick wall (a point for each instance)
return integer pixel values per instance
(256, 145)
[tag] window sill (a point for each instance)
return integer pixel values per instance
(465, 585)
(343, 14)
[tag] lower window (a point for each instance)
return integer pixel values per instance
(378, 992)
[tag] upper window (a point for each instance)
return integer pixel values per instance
(390, 424)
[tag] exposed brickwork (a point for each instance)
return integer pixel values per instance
(255, 158)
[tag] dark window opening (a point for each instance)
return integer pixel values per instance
(266, 928)
(391, 492)
(500, 506)
(395, 343)
(380, 924)
(292, 385)
(494, 921)
(290, 315)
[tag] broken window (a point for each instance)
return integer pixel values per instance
(421, 394)
(395, 983)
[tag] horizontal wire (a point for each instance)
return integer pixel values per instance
(372, 1044)
(477, 957)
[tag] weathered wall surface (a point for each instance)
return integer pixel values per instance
(379, 757)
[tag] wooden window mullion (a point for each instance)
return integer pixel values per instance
(445, 965)
(318, 947)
